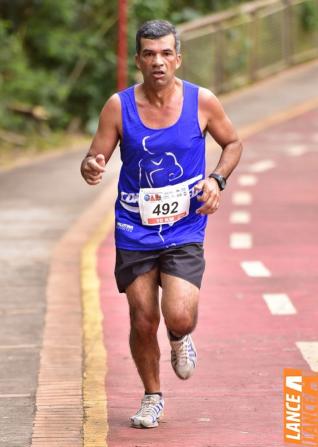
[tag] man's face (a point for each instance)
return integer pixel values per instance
(158, 60)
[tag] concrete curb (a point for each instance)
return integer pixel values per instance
(59, 400)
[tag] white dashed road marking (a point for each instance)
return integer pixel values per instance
(255, 269)
(309, 350)
(279, 304)
(296, 151)
(262, 166)
(241, 241)
(240, 217)
(241, 198)
(247, 180)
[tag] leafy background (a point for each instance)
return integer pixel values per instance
(58, 58)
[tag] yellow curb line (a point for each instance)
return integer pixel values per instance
(94, 392)
(95, 426)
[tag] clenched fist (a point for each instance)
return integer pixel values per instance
(92, 169)
(210, 196)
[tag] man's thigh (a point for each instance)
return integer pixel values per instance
(181, 271)
(143, 295)
(180, 299)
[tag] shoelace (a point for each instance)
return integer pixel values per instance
(148, 404)
(183, 352)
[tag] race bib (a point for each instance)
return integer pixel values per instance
(164, 205)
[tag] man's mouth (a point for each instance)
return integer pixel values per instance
(158, 73)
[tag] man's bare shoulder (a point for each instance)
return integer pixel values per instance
(209, 105)
(207, 98)
(205, 93)
(112, 105)
(111, 112)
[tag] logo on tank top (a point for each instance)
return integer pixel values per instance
(158, 170)
(124, 227)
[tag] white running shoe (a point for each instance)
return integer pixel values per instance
(183, 357)
(149, 413)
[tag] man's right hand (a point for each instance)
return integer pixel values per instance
(92, 169)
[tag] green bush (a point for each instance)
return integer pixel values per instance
(309, 16)
(61, 55)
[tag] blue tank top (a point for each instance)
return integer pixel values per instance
(179, 152)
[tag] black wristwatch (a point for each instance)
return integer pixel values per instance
(220, 179)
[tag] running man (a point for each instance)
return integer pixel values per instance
(163, 202)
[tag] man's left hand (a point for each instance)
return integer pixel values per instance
(210, 196)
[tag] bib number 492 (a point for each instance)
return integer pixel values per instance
(165, 205)
(165, 208)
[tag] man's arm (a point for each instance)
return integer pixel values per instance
(104, 142)
(214, 120)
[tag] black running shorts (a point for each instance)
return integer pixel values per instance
(185, 261)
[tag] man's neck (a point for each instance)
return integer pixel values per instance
(161, 96)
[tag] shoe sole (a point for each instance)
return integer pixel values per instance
(141, 426)
(144, 427)
(184, 378)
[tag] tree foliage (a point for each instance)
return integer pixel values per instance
(62, 55)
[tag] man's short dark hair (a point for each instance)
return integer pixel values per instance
(154, 29)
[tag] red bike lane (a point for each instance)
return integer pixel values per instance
(235, 397)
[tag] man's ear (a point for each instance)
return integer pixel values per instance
(137, 61)
(179, 60)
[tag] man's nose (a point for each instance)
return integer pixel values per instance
(157, 60)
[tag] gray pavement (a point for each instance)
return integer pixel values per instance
(38, 203)
(280, 92)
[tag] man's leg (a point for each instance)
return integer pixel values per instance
(179, 304)
(180, 310)
(142, 295)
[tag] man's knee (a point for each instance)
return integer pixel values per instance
(143, 323)
(181, 323)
